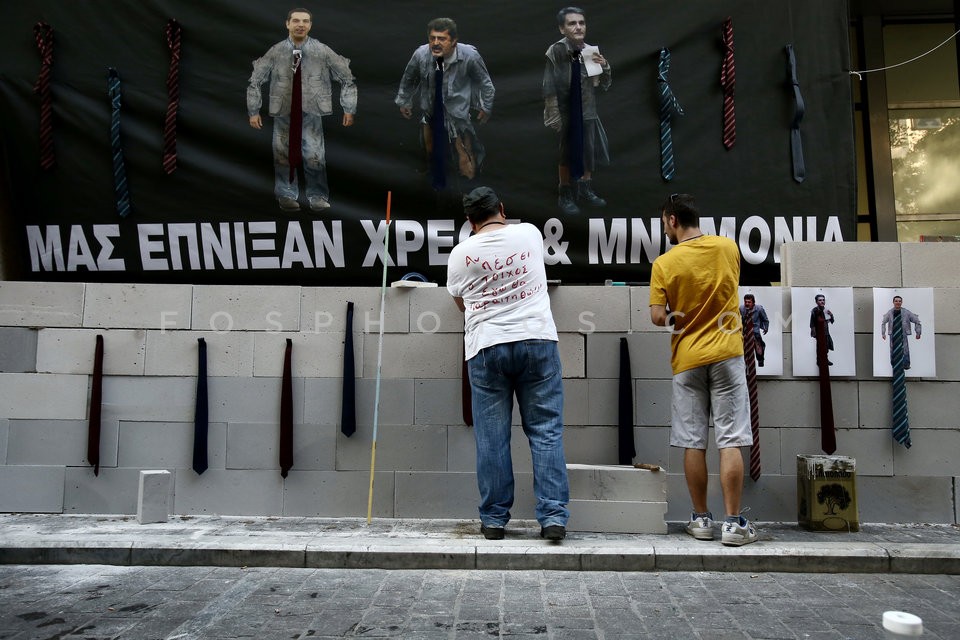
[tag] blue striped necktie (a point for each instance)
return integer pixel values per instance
(120, 189)
(796, 142)
(669, 107)
(901, 418)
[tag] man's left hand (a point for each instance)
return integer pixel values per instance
(482, 117)
(348, 119)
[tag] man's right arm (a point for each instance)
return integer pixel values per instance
(409, 83)
(261, 73)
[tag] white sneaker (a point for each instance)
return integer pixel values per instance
(736, 535)
(701, 527)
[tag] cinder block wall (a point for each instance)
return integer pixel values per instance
(425, 454)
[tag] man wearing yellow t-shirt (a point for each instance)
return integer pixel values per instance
(693, 289)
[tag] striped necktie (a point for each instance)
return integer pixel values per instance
(669, 107)
(796, 142)
(901, 418)
(728, 81)
(575, 128)
(173, 33)
(438, 130)
(121, 190)
(43, 34)
(750, 360)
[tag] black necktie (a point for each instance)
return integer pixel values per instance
(295, 149)
(348, 406)
(828, 434)
(626, 448)
(575, 129)
(438, 130)
(901, 418)
(286, 412)
(96, 395)
(796, 142)
(201, 414)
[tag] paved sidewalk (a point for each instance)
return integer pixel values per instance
(347, 543)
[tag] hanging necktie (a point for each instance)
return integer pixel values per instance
(796, 143)
(295, 150)
(96, 396)
(728, 81)
(438, 130)
(575, 130)
(201, 414)
(173, 33)
(121, 191)
(750, 360)
(626, 449)
(348, 405)
(466, 396)
(669, 107)
(828, 434)
(286, 412)
(43, 34)
(901, 418)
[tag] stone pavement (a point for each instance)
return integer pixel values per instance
(98, 602)
(350, 543)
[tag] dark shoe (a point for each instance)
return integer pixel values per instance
(553, 532)
(760, 362)
(565, 200)
(492, 533)
(585, 193)
(288, 204)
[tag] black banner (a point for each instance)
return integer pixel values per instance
(215, 219)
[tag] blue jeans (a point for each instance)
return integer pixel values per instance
(314, 158)
(531, 370)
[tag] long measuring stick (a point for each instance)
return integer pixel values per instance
(376, 399)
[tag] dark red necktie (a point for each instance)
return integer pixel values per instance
(728, 81)
(750, 361)
(96, 396)
(286, 412)
(173, 32)
(828, 434)
(43, 34)
(296, 116)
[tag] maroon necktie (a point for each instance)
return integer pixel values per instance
(96, 395)
(43, 34)
(728, 80)
(296, 116)
(828, 434)
(750, 360)
(286, 412)
(173, 32)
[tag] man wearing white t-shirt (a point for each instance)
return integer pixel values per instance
(498, 280)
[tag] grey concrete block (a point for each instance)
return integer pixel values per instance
(241, 493)
(929, 264)
(18, 350)
(251, 399)
(156, 399)
(43, 396)
(324, 309)
(437, 355)
(399, 448)
(590, 445)
(434, 495)
(905, 499)
(590, 309)
(153, 496)
(4, 437)
(462, 449)
(437, 401)
(616, 483)
(772, 498)
(576, 402)
(653, 445)
(932, 405)
(168, 445)
(72, 351)
(573, 354)
(653, 399)
(338, 493)
(324, 401)
(946, 308)
(59, 442)
(314, 447)
(796, 403)
(948, 362)
(933, 452)
(872, 448)
(835, 264)
(314, 355)
(41, 304)
(137, 306)
(174, 353)
(31, 489)
(432, 310)
(649, 355)
(256, 445)
(244, 308)
(640, 311)
(602, 399)
(113, 491)
(611, 516)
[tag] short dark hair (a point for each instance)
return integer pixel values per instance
(299, 10)
(818, 296)
(443, 24)
(749, 296)
(684, 207)
(481, 204)
(562, 14)
(895, 298)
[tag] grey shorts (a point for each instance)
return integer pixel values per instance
(718, 390)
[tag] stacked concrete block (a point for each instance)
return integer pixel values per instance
(617, 499)
(153, 496)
